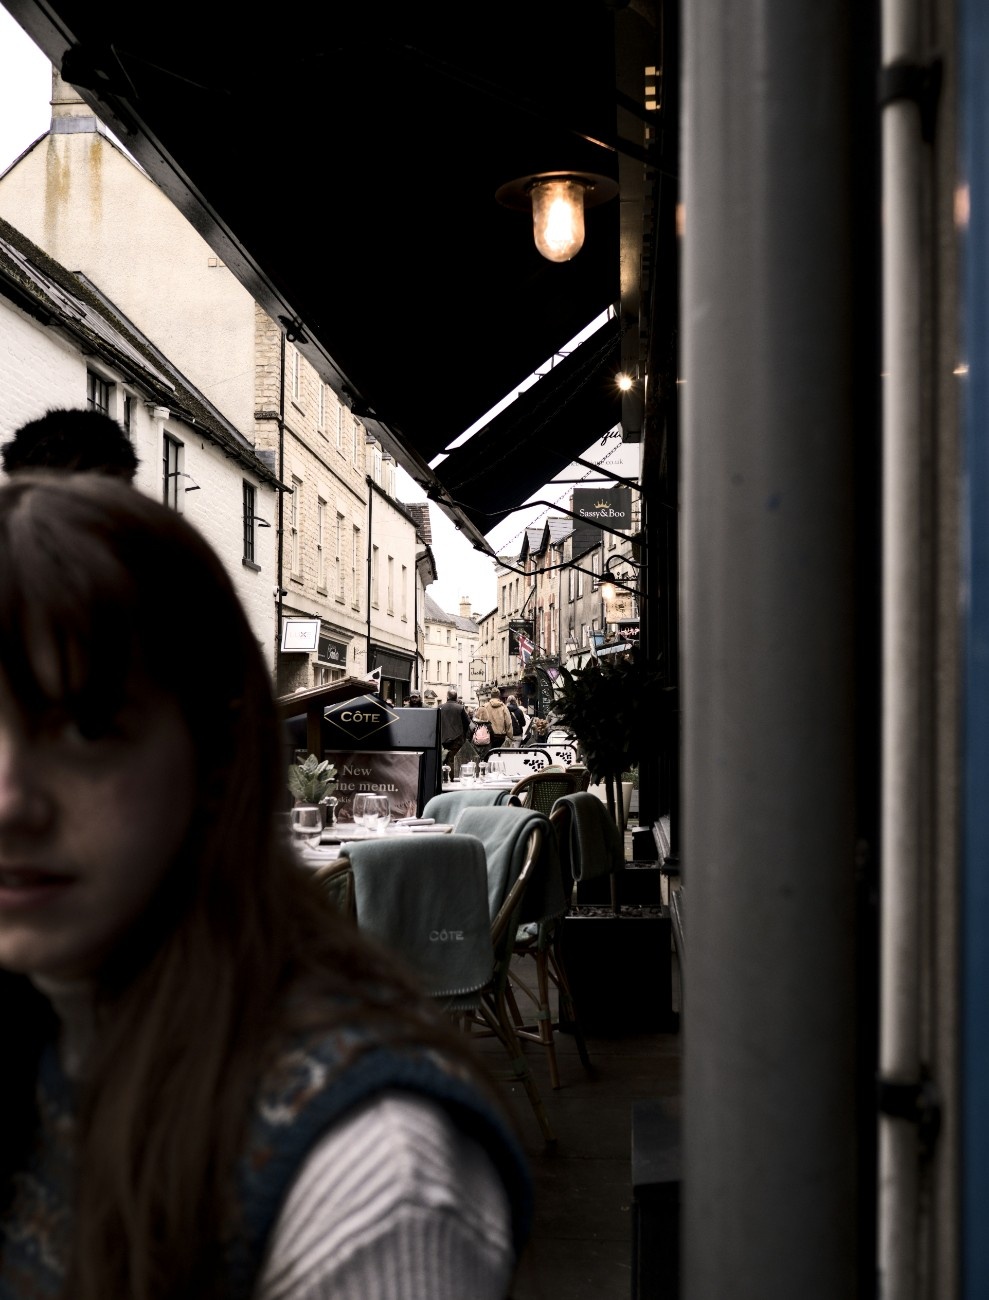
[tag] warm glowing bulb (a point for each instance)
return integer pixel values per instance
(558, 218)
(608, 591)
(625, 383)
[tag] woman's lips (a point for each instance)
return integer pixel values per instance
(23, 887)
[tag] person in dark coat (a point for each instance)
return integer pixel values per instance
(454, 727)
(518, 720)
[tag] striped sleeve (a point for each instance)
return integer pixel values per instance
(394, 1203)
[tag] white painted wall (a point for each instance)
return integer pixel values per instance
(90, 207)
(41, 368)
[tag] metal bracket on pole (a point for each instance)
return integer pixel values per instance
(920, 82)
(917, 1102)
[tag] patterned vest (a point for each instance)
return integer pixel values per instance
(311, 1085)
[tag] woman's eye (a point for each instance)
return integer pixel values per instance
(81, 730)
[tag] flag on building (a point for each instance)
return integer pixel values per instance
(525, 649)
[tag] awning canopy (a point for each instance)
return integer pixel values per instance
(344, 164)
(539, 434)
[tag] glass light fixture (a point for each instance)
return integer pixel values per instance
(558, 217)
(558, 201)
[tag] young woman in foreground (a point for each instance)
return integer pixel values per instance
(211, 1086)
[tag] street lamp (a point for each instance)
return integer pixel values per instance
(612, 583)
(557, 201)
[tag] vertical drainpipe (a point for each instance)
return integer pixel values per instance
(972, 42)
(281, 495)
(903, 716)
(769, 1088)
(370, 552)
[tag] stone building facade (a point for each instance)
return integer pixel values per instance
(79, 196)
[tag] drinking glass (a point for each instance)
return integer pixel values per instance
(482, 771)
(359, 807)
(307, 824)
(377, 812)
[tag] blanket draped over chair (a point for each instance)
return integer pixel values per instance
(504, 832)
(447, 806)
(588, 835)
(425, 897)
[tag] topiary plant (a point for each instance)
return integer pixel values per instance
(613, 708)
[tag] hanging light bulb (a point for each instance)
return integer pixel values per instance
(557, 201)
(558, 217)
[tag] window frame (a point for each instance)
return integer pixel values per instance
(172, 463)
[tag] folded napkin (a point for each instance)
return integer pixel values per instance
(594, 841)
(425, 897)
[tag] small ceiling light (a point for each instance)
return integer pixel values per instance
(625, 382)
(558, 201)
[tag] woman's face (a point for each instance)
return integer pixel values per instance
(90, 820)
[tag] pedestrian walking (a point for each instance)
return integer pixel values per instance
(454, 729)
(518, 721)
(495, 715)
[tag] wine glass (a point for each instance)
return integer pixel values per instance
(307, 824)
(377, 813)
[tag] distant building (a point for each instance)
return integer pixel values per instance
(451, 645)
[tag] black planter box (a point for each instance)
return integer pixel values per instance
(638, 883)
(620, 970)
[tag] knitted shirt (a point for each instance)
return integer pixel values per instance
(316, 1091)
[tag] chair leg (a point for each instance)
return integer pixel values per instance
(567, 1011)
(513, 1005)
(544, 1017)
(498, 1017)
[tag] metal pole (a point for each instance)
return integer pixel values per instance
(903, 759)
(767, 663)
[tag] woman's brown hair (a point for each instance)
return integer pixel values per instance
(99, 583)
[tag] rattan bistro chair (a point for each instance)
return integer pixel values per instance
(411, 890)
(540, 790)
(336, 880)
(589, 845)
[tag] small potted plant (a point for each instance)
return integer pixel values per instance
(311, 781)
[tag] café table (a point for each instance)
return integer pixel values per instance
(500, 783)
(347, 832)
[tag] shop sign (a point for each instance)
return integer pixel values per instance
(620, 607)
(610, 506)
(332, 652)
(300, 634)
(361, 717)
(476, 671)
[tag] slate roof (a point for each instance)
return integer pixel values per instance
(44, 289)
(434, 613)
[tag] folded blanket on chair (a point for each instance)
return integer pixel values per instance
(505, 832)
(447, 806)
(426, 898)
(596, 844)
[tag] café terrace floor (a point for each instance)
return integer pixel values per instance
(581, 1245)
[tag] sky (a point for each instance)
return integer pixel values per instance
(25, 92)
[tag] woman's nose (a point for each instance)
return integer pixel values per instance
(24, 801)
